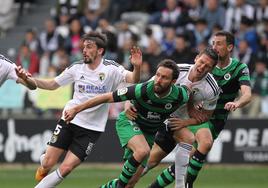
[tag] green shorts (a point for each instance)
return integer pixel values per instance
(126, 129)
(207, 125)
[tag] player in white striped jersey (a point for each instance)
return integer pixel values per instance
(92, 76)
(205, 92)
(8, 70)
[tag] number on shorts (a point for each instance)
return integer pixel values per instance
(57, 129)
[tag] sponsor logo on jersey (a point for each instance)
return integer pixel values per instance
(227, 76)
(153, 116)
(91, 89)
(122, 91)
(101, 76)
(168, 106)
(89, 148)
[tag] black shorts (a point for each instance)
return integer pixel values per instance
(164, 139)
(78, 140)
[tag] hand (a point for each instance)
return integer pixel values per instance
(131, 112)
(69, 115)
(135, 56)
(231, 106)
(22, 73)
(176, 123)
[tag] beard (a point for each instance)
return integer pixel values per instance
(88, 61)
(158, 89)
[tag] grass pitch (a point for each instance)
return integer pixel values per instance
(93, 175)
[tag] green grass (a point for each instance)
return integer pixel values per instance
(91, 176)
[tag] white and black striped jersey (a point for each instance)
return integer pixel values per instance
(205, 92)
(7, 70)
(88, 84)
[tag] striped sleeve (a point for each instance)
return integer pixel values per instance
(123, 94)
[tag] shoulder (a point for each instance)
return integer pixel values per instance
(212, 84)
(184, 67)
(108, 62)
(76, 64)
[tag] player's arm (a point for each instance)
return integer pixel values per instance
(24, 78)
(46, 84)
(136, 60)
(100, 99)
(243, 100)
(245, 90)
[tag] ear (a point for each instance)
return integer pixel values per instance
(173, 81)
(196, 57)
(100, 50)
(230, 47)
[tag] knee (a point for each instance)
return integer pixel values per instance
(188, 137)
(206, 144)
(143, 152)
(48, 162)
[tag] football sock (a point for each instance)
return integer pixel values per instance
(129, 169)
(165, 178)
(51, 180)
(110, 184)
(195, 165)
(182, 156)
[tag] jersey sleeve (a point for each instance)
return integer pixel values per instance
(185, 94)
(66, 77)
(244, 78)
(123, 94)
(11, 73)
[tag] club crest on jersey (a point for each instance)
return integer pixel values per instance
(227, 76)
(136, 129)
(168, 106)
(101, 76)
(122, 91)
(53, 139)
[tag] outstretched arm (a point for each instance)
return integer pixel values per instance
(242, 101)
(100, 99)
(136, 60)
(25, 78)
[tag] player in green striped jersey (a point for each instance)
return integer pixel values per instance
(232, 76)
(155, 101)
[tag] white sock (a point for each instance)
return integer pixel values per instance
(182, 156)
(51, 180)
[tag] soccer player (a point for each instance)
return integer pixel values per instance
(205, 94)
(231, 76)
(92, 76)
(9, 70)
(154, 100)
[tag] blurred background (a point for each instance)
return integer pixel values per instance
(44, 37)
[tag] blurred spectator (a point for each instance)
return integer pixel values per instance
(172, 16)
(28, 59)
(213, 13)
(123, 33)
(234, 15)
(153, 54)
(63, 25)
(194, 10)
(50, 40)
(7, 16)
(31, 40)
(73, 41)
(97, 7)
(182, 53)
(248, 32)
(259, 81)
(168, 42)
(89, 20)
(261, 10)
(59, 61)
(245, 54)
(201, 32)
(71, 7)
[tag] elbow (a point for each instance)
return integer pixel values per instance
(32, 87)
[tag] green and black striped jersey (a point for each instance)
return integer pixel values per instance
(229, 80)
(152, 110)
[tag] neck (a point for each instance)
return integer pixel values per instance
(95, 64)
(224, 62)
(193, 78)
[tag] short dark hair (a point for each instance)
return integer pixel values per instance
(168, 63)
(99, 38)
(229, 36)
(209, 51)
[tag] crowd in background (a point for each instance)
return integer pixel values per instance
(176, 29)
